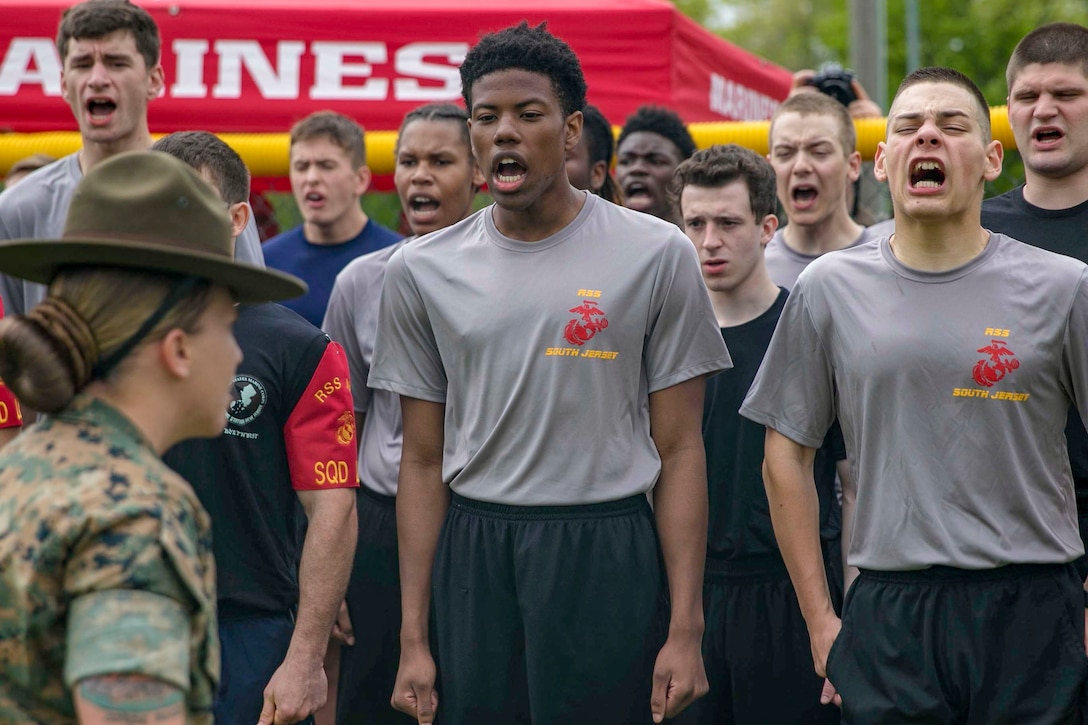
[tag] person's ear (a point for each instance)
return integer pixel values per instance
(477, 177)
(767, 228)
(995, 155)
(880, 170)
(853, 164)
(175, 353)
(597, 174)
(363, 177)
(239, 218)
(573, 128)
(157, 84)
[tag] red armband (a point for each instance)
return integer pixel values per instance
(320, 432)
(11, 415)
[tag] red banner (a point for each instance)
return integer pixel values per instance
(260, 65)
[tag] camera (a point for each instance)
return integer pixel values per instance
(834, 81)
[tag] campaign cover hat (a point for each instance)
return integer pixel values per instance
(147, 210)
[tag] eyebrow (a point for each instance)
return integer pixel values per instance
(108, 57)
(791, 144)
(941, 115)
(522, 104)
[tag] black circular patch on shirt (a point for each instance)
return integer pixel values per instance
(248, 400)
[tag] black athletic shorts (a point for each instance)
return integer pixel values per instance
(548, 614)
(756, 650)
(252, 647)
(946, 645)
(368, 668)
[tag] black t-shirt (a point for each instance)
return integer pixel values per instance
(243, 477)
(740, 520)
(1064, 231)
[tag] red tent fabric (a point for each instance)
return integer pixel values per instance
(256, 66)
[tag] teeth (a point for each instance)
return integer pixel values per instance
(926, 166)
(927, 185)
(508, 179)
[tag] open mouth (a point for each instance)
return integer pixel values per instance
(804, 194)
(639, 196)
(1048, 135)
(421, 205)
(509, 173)
(100, 109)
(926, 175)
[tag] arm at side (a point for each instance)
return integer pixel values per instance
(795, 515)
(680, 507)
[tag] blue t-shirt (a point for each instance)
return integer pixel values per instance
(319, 264)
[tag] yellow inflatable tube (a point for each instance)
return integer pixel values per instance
(266, 153)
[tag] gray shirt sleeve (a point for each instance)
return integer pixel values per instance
(340, 324)
(794, 390)
(11, 289)
(407, 360)
(1074, 370)
(683, 339)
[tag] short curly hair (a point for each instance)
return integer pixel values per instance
(662, 121)
(98, 18)
(521, 47)
(719, 166)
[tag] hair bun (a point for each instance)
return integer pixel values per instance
(72, 336)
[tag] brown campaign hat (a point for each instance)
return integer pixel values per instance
(147, 210)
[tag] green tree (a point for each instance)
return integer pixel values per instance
(701, 11)
(973, 36)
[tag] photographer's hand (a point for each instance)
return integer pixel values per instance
(802, 82)
(863, 107)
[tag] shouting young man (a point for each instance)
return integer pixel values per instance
(950, 356)
(546, 389)
(110, 72)
(1047, 78)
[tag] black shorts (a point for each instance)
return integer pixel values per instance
(946, 645)
(548, 614)
(368, 669)
(756, 650)
(251, 647)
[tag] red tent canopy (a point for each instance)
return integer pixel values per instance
(259, 65)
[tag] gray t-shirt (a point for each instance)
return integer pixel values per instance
(885, 228)
(952, 390)
(37, 208)
(784, 263)
(545, 353)
(352, 320)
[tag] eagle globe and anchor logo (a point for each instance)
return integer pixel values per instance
(248, 400)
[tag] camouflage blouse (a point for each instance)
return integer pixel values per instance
(86, 507)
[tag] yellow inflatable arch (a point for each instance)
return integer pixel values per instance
(266, 154)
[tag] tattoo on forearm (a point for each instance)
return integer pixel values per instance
(132, 700)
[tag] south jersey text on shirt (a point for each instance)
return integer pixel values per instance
(952, 390)
(544, 353)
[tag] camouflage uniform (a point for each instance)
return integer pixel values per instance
(94, 525)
